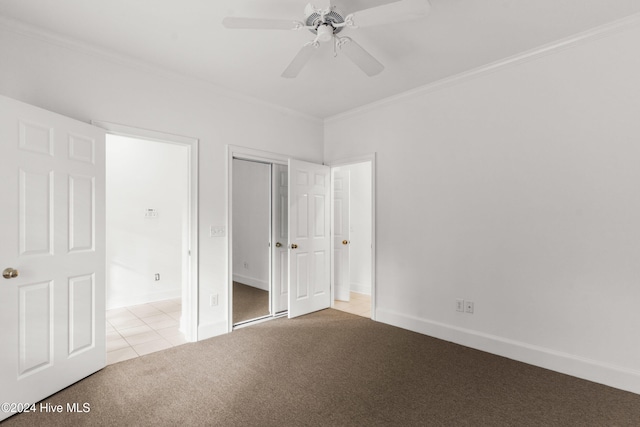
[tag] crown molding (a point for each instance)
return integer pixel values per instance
(88, 49)
(530, 55)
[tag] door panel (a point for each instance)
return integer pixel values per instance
(301, 265)
(309, 239)
(52, 229)
(320, 269)
(81, 318)
(341, 228)
(81, 208)
(35, 323)
(35, 215)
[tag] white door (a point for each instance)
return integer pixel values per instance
(341, 238)
(52, 315)
(279, 239)
(309, 238)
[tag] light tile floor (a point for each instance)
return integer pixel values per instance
(359, 304)
(143, 329)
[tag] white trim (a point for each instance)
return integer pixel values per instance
(367, 158)
(354, 160)
(112, 56)
(146, 299)
(532, 54)
(212, 329)
(581, 367)
(256, 321)
(359, 288)
(189, 321)
(231, 150)
(244, 153)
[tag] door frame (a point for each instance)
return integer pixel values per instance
(190, 275)
(250, 154)
(368, 158)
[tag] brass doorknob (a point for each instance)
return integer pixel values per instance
(345, 242)
(294, 246)
(278, 244)
(10, 273)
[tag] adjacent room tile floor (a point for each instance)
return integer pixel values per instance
(143, 329)
(359, 304)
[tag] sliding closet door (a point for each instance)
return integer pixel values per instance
(309, 238)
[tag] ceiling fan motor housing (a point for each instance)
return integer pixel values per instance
(314, 20)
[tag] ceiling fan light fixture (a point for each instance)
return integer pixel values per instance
(327, 22)
(325, 33)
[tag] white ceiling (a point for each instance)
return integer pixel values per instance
(187, 37)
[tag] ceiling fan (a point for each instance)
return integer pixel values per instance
(328, 20)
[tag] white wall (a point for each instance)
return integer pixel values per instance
(251, 223)
(145, 174)
(86, 85)
(360, 228)
(517, 189)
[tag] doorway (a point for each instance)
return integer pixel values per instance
(151, 237)
(353, 237)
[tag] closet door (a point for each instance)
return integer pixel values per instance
(309, 238)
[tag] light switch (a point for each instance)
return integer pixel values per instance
(150, 213)
(217, 231)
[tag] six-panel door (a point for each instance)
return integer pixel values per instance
(52, 232)
(309, 238)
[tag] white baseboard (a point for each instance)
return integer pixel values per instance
(591, 370)
(130, 300)
(360, 288)
(251, 281)
(211, 330)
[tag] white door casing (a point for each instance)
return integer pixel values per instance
(341, 235)
(309, 238)
(52, 231)
(280, 238)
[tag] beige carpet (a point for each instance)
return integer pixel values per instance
(249, 303)
(334, 369)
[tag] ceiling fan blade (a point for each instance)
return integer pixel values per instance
(363, 59)
(301, 59)
(317, 5)
(258, 23)
(309, 9)
(348, 7)
(322, 4)
(397, 11)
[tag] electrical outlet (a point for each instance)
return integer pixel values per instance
(213, 300)
(246, 265)
(157, 277)
(460, 305)
(468, 307)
